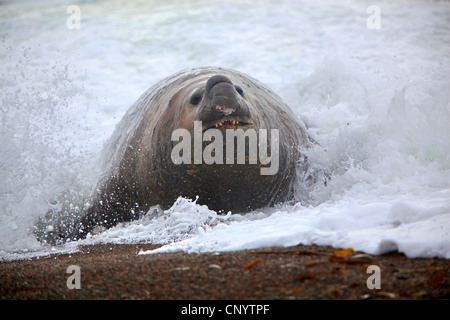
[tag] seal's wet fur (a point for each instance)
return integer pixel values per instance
(139, 172)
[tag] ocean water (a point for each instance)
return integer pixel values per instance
(371, 84)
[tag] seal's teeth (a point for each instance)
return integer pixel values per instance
(226, 122)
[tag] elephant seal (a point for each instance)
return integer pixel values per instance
(149, 160)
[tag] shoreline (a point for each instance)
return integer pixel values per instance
(111, 271)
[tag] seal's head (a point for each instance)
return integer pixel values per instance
(225, 164)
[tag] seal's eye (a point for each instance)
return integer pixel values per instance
(197, 96)
(195, 99)
(239, 90)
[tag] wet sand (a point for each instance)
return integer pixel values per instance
(110, 271)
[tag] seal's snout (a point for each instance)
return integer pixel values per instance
(213, 81)
(225, 103)
(223, 95)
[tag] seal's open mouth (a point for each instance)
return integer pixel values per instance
(227, 124)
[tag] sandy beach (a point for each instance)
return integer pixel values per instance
(110, 271)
